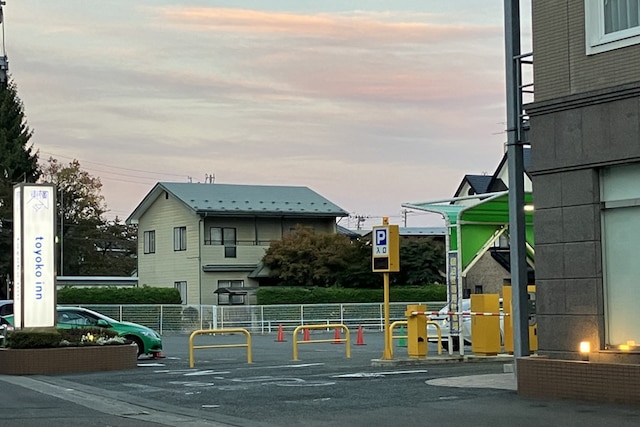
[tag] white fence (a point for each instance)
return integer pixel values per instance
(255, 318)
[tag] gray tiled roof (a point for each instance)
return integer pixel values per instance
(235, 199)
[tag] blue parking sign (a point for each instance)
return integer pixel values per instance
(386, 249)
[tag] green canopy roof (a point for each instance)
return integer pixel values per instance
(474, 226)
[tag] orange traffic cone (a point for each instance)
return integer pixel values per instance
(360, 340)
(305, 335)
(337, 339)
(280, 334)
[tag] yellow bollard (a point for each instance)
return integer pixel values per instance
(416, 331)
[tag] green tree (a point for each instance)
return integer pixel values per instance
(116, 247)
(88, 244)
(357, 271)
(422, 262)
(305, 258)
(18, 163)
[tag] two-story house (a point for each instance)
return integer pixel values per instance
(207, 240)
(585, 139)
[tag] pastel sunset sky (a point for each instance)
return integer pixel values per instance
(371, 103)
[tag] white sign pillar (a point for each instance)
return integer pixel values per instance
(34, 265)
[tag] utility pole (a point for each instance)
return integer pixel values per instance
(515, 164)
(4, 62)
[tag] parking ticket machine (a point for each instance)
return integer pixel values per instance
(508, 323)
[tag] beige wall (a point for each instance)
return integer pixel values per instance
(166, 266)
(561, 66)
(487, 273)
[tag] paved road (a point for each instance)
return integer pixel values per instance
(323, 388)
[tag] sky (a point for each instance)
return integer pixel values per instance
(370, 103)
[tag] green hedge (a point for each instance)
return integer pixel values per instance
(295, 295)
(113, 295)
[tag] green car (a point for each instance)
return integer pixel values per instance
(147, 340)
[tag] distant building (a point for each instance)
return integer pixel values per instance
(207, 240)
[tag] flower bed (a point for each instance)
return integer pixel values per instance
(60, 360)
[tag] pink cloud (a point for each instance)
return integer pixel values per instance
(361, 27)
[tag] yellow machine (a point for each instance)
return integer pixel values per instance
(485, 328)
(508, 323)
(416, 331)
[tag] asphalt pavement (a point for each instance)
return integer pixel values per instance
(322, 388)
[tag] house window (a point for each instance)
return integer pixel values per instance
(232, 296)
(180, 238)
(230, 283)
(150, 242)
(225, 236)
(611, 24)
(182, 288)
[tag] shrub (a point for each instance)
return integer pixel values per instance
(113, 295)
(34, 338)
(298, 295)
(51, 338)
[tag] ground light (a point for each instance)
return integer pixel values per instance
(585, 349)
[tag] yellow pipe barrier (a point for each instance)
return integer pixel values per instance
(218, 331)
(439, 331)
(390, 332)
(346, 340)
(404, 323)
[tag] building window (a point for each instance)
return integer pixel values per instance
(180, 238)
(182, 288)
(611, 24)
(620, 222)
(225, 236)
(150, 242)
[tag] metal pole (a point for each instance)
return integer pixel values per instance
(517, 235)
(388, 354)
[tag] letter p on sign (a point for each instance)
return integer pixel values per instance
(381, 237)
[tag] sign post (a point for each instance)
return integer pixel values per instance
(34, 255)
(386, 259)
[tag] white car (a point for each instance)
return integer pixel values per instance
(443, 320)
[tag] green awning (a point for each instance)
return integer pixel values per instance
(475, 223)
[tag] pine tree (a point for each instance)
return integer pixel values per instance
(18, 163)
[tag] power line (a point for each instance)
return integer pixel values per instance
(114, 167)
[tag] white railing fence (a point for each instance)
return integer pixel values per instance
(255, 318)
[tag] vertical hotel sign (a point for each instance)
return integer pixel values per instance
(34, 255)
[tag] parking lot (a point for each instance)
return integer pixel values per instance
(322, 388)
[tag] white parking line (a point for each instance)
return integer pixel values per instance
(379, 374)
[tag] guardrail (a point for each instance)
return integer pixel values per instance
(218, 331)
(335, 340)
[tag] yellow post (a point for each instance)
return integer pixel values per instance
(485, 330)
(388, 351)
(416, 331)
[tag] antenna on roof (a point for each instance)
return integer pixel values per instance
(209, 178)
